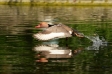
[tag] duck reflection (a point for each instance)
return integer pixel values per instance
(51, 52)
(45, 52)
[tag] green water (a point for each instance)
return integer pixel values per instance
(17, 26)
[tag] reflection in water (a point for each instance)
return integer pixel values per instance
(51, 50)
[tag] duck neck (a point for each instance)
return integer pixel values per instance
(49, 25)
(75, 32)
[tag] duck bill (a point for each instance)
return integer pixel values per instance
(38, 26)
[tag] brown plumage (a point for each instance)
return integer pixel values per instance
(55, 31)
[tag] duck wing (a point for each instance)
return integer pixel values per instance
(68, 29)
(56, 31)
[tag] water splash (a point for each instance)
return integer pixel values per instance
(97, 42)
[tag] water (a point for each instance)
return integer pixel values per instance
(21, 53)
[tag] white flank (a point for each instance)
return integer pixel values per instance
(59, 51)
(52, 50)
(43, 48)
(41, 36)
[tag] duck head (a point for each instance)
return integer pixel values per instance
(44, 25)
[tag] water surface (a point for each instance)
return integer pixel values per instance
(21, 53)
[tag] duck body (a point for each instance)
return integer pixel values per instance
(54, 31)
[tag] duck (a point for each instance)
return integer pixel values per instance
(54, 31)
